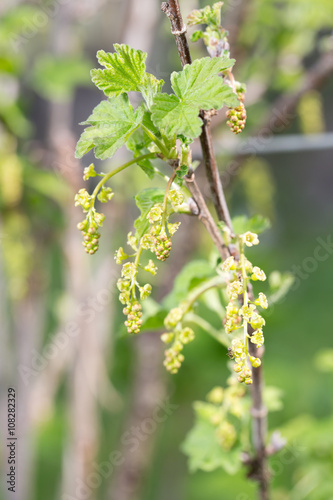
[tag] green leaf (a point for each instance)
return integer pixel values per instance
(204, 451)
(125, 71)
(256, 224)
(191, 275)
(197, 87)
(144, 201)
(111, 124)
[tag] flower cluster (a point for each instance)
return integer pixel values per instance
(129, 286)
(241, 311)
(177, 336)
(158, 238)
(89, 226)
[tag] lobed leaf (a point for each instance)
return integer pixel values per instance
(110, 125)
(197, 87)
(204, 451)
(125, 71)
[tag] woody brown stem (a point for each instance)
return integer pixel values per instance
(178, 29)
(258, 463)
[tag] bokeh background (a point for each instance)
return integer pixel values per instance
(84, 387)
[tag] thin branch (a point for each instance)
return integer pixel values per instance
(258, 464)
(206, 217)
(178, 29)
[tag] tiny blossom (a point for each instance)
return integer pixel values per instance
(237, 347)
(151, 268)
(172, 228)
(176, 198)
(147, 241)
(83, 199)
(129, 270)
(167, 337)
(155, 213)
(258, 274)
(229, 264)
(247, 311)
(250, 239)
(231, 325)
(257, 321)
(89, 172)
(123, 285)
(145, 291)
(234, 289)
(124, 297)
(232, 310)
(262, 301)
(99, 218)
(105, 195)
(187, 335)
(257, 338)
(120, 255)
(132, 241)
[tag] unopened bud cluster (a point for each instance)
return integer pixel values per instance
(89, 226)
(240, 311)
(236, 118)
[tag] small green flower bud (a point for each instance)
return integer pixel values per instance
(120, 255)
(262, 301)
(89, 172)
(167, 337)
(105, 195)
(258, 274)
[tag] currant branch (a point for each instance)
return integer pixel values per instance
(173, 12)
